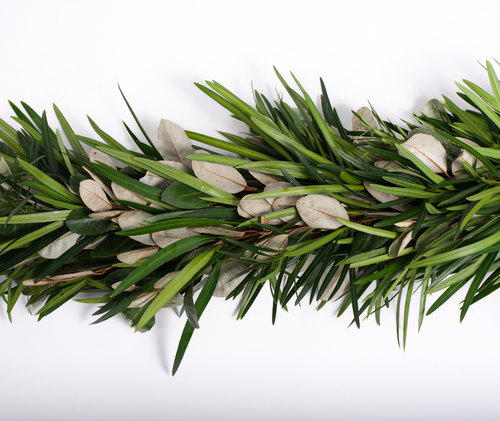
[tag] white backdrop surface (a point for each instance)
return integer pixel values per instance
(310, 365)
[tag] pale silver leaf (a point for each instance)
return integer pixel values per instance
(277, 242)
(95, 155)
(106, 189)
(429, 150)
(142, 300)
(173, 143)
(319, 211)
(333, 283)
(165, 238)
(366, 113)
(59, 246)
(129, 289)
(132, 256)
(221, 176)
(124, 194)
(265, 178)
(5, 171)
(285, 202)
(134, 219)
(385, 197)
(255, 208)
(465, 156)
(59, 278)
(213, 230)
(276, 186)
(105, 215)
(231, 275)
(94, 197)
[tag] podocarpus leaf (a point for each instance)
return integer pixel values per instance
(481, 273)
(171, 224)
(145, 149)
(50, 183)
(163, 256)
(468, 250)
(13, 296)
(65, 295)
(50, 145)
(18, 230)
(173, 174)
(77, 147)
(229, 214)
(409, 293)
(157, 154)
(273, 131)
(230, 147)
(190, 308)
(186, 275)
(107, 138)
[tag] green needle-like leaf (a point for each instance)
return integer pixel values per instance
(173, 174)
(368, 230)
(481, 273)
(201, 303)
(190, 308)
(186, 275)
(171, 252)
(51, 183)
(172, 224)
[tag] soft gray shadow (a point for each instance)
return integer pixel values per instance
(160, 330)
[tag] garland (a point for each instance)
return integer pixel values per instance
(309, 209)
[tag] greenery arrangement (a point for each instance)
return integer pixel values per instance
(309, 208)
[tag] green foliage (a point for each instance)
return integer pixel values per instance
(436, 232)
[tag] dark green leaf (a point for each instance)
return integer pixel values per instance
(290, 179)
(132, 315)
(182, 196)
(228, 214)
(172, 224)
(157, 154)
(190, 308)
(58, 300)
(18, 230)
(14, 294)
(112, 246)
(79, 222)
(367, 242)
(49, 146)
(75, 180)
(201, 303)
(430, 235)
(7, 150)
(70, 134)
(480, 274)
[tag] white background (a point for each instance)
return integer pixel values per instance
(309, 365)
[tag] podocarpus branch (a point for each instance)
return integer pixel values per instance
(366, 214)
